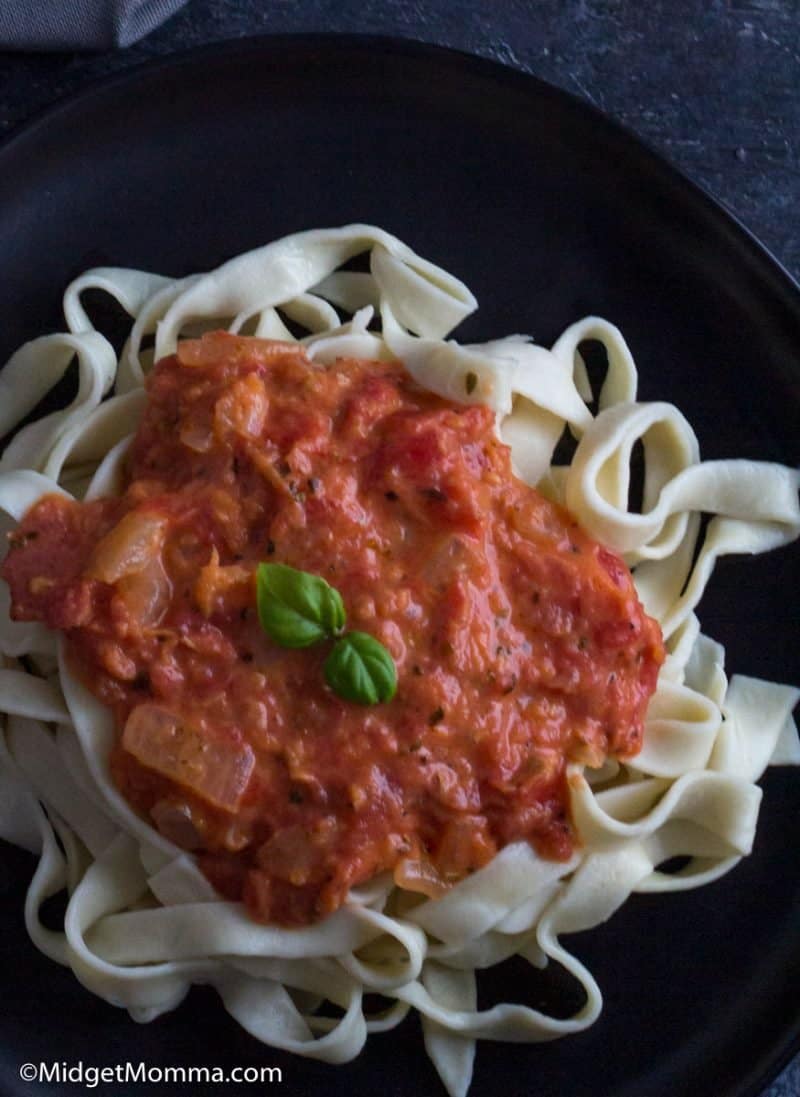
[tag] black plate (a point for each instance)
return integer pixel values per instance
(548, 211)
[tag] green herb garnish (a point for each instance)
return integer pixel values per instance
(359, 668)
(297, 609)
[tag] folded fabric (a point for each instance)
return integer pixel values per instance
(80, 24)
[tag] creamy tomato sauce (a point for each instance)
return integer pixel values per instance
(519, 642)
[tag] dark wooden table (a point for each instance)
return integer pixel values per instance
(714, 86)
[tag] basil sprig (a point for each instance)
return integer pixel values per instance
(297, 609)
(359, 668)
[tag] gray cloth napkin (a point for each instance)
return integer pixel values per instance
(80, 24)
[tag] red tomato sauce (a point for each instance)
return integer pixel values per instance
(519, 642)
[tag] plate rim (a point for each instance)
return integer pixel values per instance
(96, 87)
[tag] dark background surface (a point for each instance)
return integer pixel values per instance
(715, 87)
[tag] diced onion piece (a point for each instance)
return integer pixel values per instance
(230, 586)
(218, 346)
(415, 874)
(206, 351)
(175, 822)
(242, 409)
(292, 854)
(147, 593)
(197, 437)
(128, 547)
(217, 772)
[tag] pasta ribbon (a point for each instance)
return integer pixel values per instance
(142, 924)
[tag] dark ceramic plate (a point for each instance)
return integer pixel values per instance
(548, 211)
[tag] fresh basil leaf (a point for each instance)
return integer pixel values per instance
(296, 608)
(359, 668)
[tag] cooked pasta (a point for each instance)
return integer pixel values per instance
(142, 923)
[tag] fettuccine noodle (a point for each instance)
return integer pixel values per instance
(142, 923)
